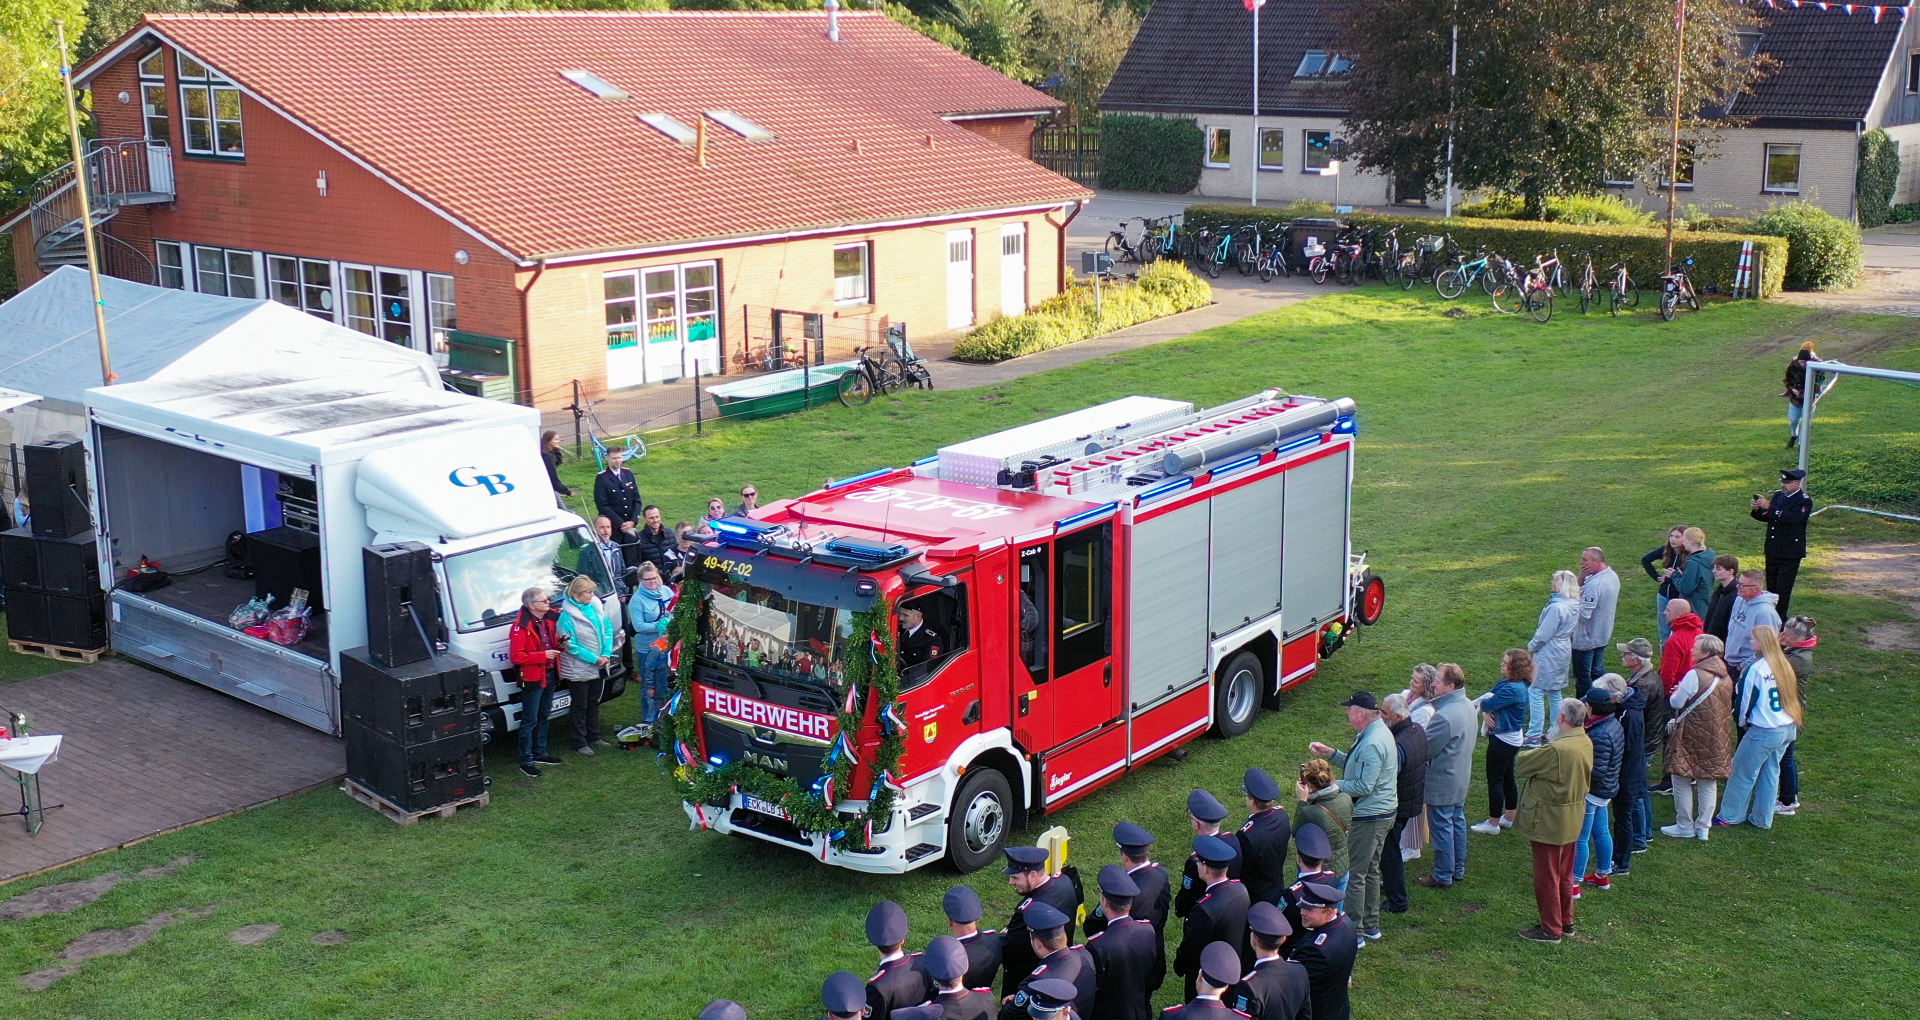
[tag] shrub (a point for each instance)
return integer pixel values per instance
(1879, 174)
(1162, 289)
(1721, 224)
(1149, 153)
(1572, 209)
(1907, 213)
(1715, 256)
(1824, 249)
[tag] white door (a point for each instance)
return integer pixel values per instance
(959, 279)
(661, 337)
(1013, 268)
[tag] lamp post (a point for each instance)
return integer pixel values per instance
(1453, 72)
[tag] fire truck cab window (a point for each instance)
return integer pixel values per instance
(1033, 611)
(932, 629)
(767, 633)
(1081, 589)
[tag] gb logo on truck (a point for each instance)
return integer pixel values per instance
(495, 484)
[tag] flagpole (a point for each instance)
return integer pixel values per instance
(80, 186)
(1253, 197)
(1673, 154)
(1453, 71)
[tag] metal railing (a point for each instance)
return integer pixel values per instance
(120, 172)
(1070, 151)
(778, 339)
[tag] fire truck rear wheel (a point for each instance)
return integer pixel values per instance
(1236, 695)
(978, 821)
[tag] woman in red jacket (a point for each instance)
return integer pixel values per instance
(533, 646)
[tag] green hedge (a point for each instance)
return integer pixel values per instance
(1878, 176)
(1826, 248)
(1715, 256)
(1163, 289)
(1149, 153)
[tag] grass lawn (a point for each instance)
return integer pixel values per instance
(1492, 451)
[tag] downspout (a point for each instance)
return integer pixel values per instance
(1853, 194)
(1060, 284)
(526, 329)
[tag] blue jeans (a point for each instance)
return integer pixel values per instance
(1589, 664)
(1447, 825)
(1342, 886)
(1755, 780)
(1793, 417)
(1594, 828)
(1789, 777)
(1542, 704)
(1642, 816)
(536, 706)
(655, 686)
(1660, 619)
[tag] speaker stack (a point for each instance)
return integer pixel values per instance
(52, 569)
(411, 713)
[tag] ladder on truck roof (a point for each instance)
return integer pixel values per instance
(1145, 459)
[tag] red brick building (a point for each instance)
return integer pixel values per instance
(600, 196)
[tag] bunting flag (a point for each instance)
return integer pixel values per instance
(842, 744)
(685, 754)
(826, 790)
(890, 718)
(673, 667)
(673, 703)
(886, 778)
(874, 647)
(853, 695)
(1879, 11)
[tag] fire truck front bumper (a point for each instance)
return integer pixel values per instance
(893, 850)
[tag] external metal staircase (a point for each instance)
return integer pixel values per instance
(120, 172)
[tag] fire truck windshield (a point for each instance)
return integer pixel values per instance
(763, 631)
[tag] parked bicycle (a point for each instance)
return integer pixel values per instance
(1319, 262)
(1454, 280)
(1120, 249)
(1349, 257)
(1622, 292)
(1586, 281)
(1676, 286)
(882, 373)
(1273, 258)
(913, 367)
(1248, 249)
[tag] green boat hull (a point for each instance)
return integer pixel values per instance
(780, 392)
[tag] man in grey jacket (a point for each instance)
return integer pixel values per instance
(1370, 774)
(1754, 607)
(1599, 595)
(1451, 734)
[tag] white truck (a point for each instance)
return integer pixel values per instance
(313, 468)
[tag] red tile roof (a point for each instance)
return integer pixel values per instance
(469, 112)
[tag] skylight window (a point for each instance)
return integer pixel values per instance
(593, 83)
(666, 125)
(1339, 65)
(740, 125)
(1311, 63)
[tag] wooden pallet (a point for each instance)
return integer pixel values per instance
(401, 816)
(88, 656)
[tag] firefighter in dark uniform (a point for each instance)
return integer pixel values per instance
(1153, 901)
(1263, 839)
(844, 996)
(1312, 849)
(1049, 931)
(1219, 970)
(918, 642)
(1276, 988)
(723, 1009)
(962, 907)
(1125, 953)
(1785, 514)
(1206, 813)
(946, 962)
(899, 982)
(1219, 916)
(1026, 871)
(1052, 999)
(1326, 949)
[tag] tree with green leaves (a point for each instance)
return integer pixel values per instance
(1550, 99)
(1079, 43)
(33, 117)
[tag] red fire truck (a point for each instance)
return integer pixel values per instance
(1073, 598)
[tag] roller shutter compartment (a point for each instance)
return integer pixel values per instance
(1246, 556)
(1167, 584)
(1313, 586)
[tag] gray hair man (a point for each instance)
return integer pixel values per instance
(1599, 597)
(1451, 735)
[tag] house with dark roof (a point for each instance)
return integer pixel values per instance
(1837, 76)
(607, 198)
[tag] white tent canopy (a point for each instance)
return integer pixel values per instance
(48, 345)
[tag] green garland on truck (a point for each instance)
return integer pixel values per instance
(872, 674)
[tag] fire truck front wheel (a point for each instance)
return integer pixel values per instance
(1236, 695)
(978, 821)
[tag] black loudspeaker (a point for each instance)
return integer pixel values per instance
(412, 704)
(57, 618)
(416, 777)
(20, 557)
(285, 559)
(57, 487)
(400, 586)
(54, 564)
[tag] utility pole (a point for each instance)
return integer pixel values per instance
(80, 186)
(1673, 155)
(1453, 72)
(1253, 196)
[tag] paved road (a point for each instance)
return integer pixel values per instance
(1894, 246)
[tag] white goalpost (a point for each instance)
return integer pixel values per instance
(1810, 396)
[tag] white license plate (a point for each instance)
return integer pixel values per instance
(764, 807)
(562, 700)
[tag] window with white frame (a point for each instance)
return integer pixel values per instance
(1219, 146)
(1913, 72)
(1682, 168)
(396, 306)
(1273, 149)
(440, 309)
(358, 307)
(172, 264)
(623, 309)
(1312, 62)
(663, 304)
(209, 111)
(153, 95)
(1318, 149)
(306, 284)
(225, 271)
(853, 273)
(1783, 169)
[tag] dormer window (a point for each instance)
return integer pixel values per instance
(153, 95)
(209, 111)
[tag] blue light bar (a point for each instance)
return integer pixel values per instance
(1235, 465)
(1088, 517)
(741, 526)
(716, 760)
(928, 459)
(1309, 439)
(1163, 489)
(869, 476)
(1347, 426)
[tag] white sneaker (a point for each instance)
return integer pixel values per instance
(1677, 831)
(1486, 828)
(1701, 832)
(1786, 809)
(1506, 823)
